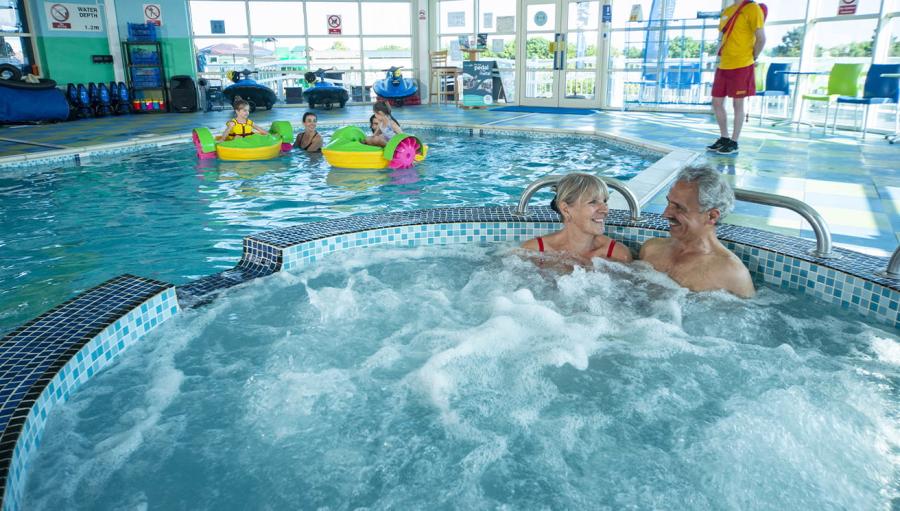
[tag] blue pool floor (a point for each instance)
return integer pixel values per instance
(855, 185)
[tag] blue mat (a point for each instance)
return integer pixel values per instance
(545, 110)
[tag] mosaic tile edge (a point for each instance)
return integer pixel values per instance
(141, 306)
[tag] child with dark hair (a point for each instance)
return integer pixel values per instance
(373, 125)
(240, 125)
(387, 125)
(309, 139)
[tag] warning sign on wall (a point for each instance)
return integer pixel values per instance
(846, 7)
(153, 14)
(73, 17)
(334, 24)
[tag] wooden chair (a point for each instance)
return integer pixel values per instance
(441, 79)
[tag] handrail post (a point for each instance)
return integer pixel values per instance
(619, 186)
(893, 268)
(823, 248)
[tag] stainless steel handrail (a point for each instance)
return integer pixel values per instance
(893, 268)
(823, 248)
(615, 184)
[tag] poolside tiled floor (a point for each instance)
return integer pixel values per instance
(855, 185)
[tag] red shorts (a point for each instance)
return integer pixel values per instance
(734, 83)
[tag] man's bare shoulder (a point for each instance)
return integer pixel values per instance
(654, 247)
(726, 271)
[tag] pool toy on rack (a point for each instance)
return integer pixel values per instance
(347, 150)
(257, 95)
(396, 89)
(324, 93)
(252, 147)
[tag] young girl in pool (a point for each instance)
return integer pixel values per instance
(240, 125)
(309, 139)
(387, 126)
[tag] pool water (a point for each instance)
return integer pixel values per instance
(464, 377)
(165, 215)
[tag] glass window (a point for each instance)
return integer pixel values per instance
(277, 18)
(231, 14)
(843, 41)
(384, 52)
(223, 54)
(317, 14)
(894, 49)
(16, 51)
(496, 15)
(541, 17)
(782, 10)
(784, 41)
(337, 52)
(830, 7)
(584, 16)
(455, 16)
(12, 17)
(386, 18)
(688, 9)
(288, 50)
(622, 12)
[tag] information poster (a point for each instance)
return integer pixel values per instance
(456, 19)
(73, 17)
(478, 82)
(506, 24)
(637, 13)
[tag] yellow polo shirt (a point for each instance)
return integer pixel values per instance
(738, 49)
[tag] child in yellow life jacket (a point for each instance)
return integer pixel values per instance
(240, 125)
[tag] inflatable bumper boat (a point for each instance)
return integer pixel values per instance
(347, 150)
(252, 147)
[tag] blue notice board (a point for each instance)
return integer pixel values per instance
(217, 26)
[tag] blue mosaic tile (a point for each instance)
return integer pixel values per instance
(46, 359)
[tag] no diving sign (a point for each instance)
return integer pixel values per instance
(334, 24)
(846, 7)
(153, 14)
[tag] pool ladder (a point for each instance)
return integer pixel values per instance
(823, 248)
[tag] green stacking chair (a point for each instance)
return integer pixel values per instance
(843, 80)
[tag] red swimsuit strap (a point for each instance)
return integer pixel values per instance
(609, 251)
(540, 244)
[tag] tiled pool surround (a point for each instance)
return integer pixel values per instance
(48, 358)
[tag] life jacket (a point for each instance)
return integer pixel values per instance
(240, 130)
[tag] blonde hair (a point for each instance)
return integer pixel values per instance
(579, 185)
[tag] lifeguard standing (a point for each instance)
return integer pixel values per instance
(741, 40)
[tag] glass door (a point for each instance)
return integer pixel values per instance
(561, 53)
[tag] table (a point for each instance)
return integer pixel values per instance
(795, 115)
(893, 137)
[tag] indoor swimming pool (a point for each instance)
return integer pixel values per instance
(466, 377)
(163, 214)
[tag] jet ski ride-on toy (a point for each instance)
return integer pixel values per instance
(324, 93)
(394, 87)
(257, 95)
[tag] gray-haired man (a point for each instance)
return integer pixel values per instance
(693, 256)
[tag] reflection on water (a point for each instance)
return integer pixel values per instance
(163, 214)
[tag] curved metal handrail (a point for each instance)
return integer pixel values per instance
(893, 268)
(619, 186)
(823, 248)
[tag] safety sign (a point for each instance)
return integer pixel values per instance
(73, 17)
(334, 24)
(153, 14)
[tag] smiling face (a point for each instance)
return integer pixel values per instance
(587, 214)
(684, 213)
(242, 113)
(380, 117)
(310, 123)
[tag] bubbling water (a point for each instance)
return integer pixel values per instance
(467, 377)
